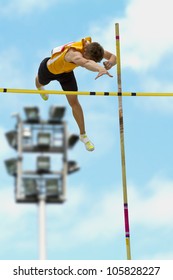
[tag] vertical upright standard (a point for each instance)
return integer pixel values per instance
(121, 124)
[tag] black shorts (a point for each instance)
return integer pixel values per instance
(66, 80)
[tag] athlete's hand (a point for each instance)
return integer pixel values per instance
(107, 64)
(103, 72)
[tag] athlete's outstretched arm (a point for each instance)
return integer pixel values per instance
(77, 58)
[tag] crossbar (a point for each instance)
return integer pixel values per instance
(94, 93)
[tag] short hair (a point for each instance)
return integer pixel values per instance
(95, 51)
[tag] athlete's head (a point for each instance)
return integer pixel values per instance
(94, 51)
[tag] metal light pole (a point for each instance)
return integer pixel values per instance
(42, 226)
(43, 185)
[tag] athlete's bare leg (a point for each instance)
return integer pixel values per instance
(79, 117)
(77, 112)
(41, 87)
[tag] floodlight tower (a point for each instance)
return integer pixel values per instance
(42, 139)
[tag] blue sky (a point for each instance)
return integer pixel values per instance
(90, 225)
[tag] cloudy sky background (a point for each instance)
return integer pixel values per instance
(90, 224)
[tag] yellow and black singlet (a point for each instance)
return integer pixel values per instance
(57, 63)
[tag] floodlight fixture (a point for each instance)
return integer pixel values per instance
(72, 140)
(56, 113)
(43, 139)
(27, 132)
(30, 186)
(32, 114)
(11, 166)
(12, 138)
(57, 140)
(43, 164)
(72, 167)
(27, 136)
(52, 187)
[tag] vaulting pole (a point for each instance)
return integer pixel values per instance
(123, 165)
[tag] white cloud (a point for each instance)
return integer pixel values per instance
(163, 105)
(88, 217)
(144, 33)
(13, 217)
(163, 256)
(151, 209)
(155, 210)
(9, 208)
(70, 224)
(145, 41)
(100, 214)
